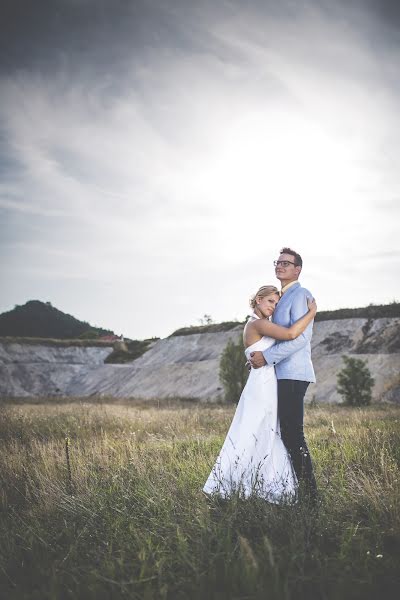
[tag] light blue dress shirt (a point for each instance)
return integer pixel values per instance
(292, 359)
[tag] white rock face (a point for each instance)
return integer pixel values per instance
(41, 370)
(375, 341)
(188, 366)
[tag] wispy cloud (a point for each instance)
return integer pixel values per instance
(168, 151)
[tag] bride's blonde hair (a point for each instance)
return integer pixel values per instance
(265, 290)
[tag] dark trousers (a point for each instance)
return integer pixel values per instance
(291, 416)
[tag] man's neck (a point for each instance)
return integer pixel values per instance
(284, 283)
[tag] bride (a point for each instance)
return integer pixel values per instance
(253, 458)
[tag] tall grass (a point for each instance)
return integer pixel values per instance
(130, 520)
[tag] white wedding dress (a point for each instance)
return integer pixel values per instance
(253, 458)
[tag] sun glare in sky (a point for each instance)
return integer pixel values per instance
(279, 159)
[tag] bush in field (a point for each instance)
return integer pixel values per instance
(355, 382)
(233, 372)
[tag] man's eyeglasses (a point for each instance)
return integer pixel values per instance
(283, 263)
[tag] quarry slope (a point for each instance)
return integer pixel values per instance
(188, 366)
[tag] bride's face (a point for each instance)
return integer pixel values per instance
(267, 304)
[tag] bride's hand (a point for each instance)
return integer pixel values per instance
(312, 305)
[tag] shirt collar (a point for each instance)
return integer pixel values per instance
(286, 287)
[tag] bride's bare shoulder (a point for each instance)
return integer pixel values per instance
(249, 327)
(250, 334)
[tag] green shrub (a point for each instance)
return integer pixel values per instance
(355, 382)
(90, 334)
(233, 372)
(134, 349)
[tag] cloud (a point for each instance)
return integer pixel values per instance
(167, 152)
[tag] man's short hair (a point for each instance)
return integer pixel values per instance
(297, 258)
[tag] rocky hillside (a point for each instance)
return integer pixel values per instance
(187, 365)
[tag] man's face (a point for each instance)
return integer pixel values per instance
(287, 270)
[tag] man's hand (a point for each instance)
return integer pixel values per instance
(257, 359)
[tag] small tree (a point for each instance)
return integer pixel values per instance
(206, 320)
(355, 382)
(233, 372)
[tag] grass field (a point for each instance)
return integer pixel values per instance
(130, 521)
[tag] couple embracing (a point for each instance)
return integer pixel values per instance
(265, 452)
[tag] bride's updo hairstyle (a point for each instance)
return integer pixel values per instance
(265, 290)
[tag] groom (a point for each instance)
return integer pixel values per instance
(293, 366)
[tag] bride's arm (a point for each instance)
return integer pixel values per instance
(265, 327)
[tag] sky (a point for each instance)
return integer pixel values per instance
(156, 155)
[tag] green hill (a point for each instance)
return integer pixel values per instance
(372, 311)
(42, 320)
